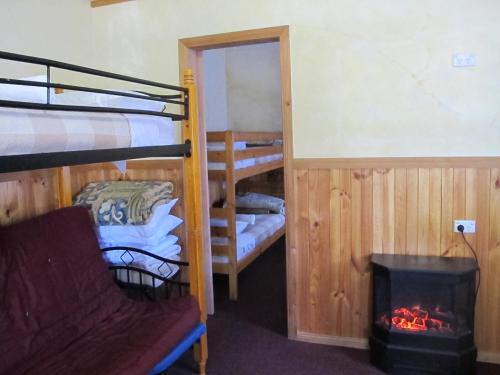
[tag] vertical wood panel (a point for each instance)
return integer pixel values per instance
(336, 261)
(459, 208)
(434, 239)
(423, 211)
(405, 210)
(347, 293)
(493, 293)
(301, 193)
(400, 213)
(411, 211)
(447, 245)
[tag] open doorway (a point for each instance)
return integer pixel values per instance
(191, 54)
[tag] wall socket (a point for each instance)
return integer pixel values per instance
(469, 225)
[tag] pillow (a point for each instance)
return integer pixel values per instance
(27, 93)
(256, 200)
(250, 219)
(163, 240)
(240, 225)
(148, 235)
(126, 202)
(92, 99)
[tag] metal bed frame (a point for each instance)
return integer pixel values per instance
(14, 163)
(164, 272)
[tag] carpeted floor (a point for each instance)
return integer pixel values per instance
(248, 337)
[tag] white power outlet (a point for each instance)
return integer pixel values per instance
(464, 59)
(469, 226)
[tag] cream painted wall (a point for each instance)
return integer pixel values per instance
(254, 87)
(215, 95)
(52, 29)
(369, 78)
(243, 88)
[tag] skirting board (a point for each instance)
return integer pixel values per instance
(348, 342)
(360, 343)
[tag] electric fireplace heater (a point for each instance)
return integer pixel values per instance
(423, 314)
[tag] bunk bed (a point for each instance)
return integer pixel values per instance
(232, 157)
(36, 178)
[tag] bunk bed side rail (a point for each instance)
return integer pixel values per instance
(49, 64)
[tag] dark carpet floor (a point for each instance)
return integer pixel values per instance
(248, 337)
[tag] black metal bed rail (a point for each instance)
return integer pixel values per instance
(140, 283)
(27, 162)
(182, 91)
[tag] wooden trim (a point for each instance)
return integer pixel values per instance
(236, 38)
(255, 152)
(194, 213)
(347, 342)
(65, 198)
(190, 54)
(219, 213)
(189, 58)
(257, 136)
(100, 3)
(240, 174)
(488, 357)
(398, 162)
(216, 156)
(218, 231)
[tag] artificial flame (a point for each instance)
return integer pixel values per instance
(417, 319)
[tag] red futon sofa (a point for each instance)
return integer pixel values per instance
(61, 313)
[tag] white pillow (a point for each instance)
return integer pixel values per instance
(240, 225)
(149, 234)
(165, 241)
(26, 93)
(92, 99)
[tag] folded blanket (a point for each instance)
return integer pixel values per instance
(256, 200)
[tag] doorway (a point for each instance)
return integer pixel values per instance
(191, 56)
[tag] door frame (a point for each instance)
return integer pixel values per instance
(191, 56)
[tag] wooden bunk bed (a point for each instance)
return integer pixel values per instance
(265, 153)
(33, 184)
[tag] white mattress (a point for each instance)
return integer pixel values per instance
(265, 226)
(25, 131)
(245, 163)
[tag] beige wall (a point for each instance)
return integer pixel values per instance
(243, 88)
(215, 95)
(254, 87)
(53, 29)
(370, 78)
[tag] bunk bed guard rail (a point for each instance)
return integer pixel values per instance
(15, 163)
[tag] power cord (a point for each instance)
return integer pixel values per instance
(461, 229)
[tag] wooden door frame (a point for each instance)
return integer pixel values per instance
(190, 55)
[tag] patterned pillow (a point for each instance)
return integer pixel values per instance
(124, 202)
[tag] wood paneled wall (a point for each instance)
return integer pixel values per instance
(27, 194)
(343, 215)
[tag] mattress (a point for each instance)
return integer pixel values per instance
(26, 131)
(245, 163)
(265, 226)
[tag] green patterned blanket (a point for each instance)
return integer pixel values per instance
(124, 202)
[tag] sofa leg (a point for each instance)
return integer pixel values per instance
(201, 354)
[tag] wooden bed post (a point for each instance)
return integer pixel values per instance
(231, 216)
(193, 208)
(64, 197)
